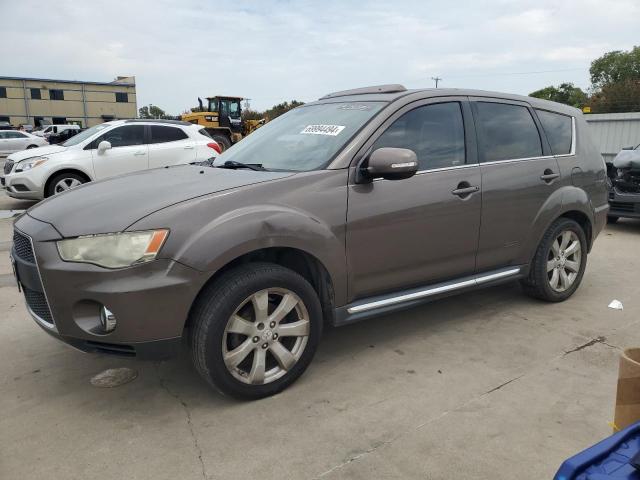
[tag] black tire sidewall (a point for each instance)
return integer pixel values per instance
(222, 141)
(541, 262)
(56, 178)
(223, 303)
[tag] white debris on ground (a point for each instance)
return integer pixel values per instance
(114, 377)
(616, 305)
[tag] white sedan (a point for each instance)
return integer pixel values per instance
(15, 141)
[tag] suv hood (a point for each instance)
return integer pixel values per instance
(114, 204)
(35, 152)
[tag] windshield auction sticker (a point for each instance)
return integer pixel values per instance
(331, 130)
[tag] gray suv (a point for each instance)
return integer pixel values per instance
(362, 203)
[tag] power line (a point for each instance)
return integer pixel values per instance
(497, 74)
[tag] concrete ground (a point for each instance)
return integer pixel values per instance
(489, 385)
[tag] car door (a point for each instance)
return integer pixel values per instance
(128, 152)
(424, 229)
(518, 176)
(169, 146)
(4, 142)
(16, 141)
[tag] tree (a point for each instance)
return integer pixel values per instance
(617, 97)
(615, 67)
(565, 93)
(281, 108)
(252, 115)
(151, 111)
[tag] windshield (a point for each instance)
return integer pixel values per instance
(82, 136)
(302, 139)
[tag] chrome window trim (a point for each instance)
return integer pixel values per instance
(40, 321)
(572, 152)
(476, 280)
(514, 160)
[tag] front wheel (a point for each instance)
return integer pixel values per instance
(255, 330)
(63, 182)
(559, 263)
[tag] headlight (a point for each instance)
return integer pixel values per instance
(30, 163)
(113, 250)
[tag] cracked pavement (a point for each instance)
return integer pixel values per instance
(490, 384)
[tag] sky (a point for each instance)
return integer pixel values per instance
(275, 50)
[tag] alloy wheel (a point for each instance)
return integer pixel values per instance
(564, 261)
(266, 336)
(66, 184)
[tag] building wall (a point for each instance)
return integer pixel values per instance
(88, 103)
(614, 131)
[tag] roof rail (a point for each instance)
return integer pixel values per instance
(390, 88)
(157, 120)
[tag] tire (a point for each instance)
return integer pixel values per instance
(71, 180)
(540, 282)
(215, 330)
(31, 146)
(223, 141)
(612, 219)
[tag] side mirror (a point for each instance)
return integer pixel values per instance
(103, 146)
(391, 164)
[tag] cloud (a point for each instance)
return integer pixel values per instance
(277, 50)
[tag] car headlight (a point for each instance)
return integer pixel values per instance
(113, 250)
(30, 163)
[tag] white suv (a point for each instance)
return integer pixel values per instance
(108, 149)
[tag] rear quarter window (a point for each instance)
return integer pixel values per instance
(506, 132)
(559, 131)
(203, 131)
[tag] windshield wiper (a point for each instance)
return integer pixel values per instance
(234, 165)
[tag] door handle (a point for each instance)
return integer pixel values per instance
(549, 175)
(189, 147)
(140, 153)
(464, 190)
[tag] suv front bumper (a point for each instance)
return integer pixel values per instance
(150, 301)
(623, 204)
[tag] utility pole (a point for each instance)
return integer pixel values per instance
(247, 105)
(436, 79)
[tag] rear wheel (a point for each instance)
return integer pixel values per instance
(223, 141)
(63, 182)
(559, 263)
(255, 330)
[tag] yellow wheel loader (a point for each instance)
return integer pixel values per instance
(222, 117)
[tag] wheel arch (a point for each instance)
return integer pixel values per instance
(52, 175)
(298, 260)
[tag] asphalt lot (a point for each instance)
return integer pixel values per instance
(489, 385)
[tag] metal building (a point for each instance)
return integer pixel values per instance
(614, 131)
(37, 101)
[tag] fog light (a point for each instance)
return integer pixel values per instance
(107, 319)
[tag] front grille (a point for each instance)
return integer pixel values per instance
(23, 248)
(8, 166)
(37, 302)
(622, 206)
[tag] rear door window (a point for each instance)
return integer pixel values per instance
(559, 131)
(506, 132)
(162, 134)
(434, 132)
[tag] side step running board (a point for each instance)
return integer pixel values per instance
(386, 303)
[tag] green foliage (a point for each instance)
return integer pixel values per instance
(616, 97)
(151, 112)
(615, 67)
(281, 108)
(565, 93)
